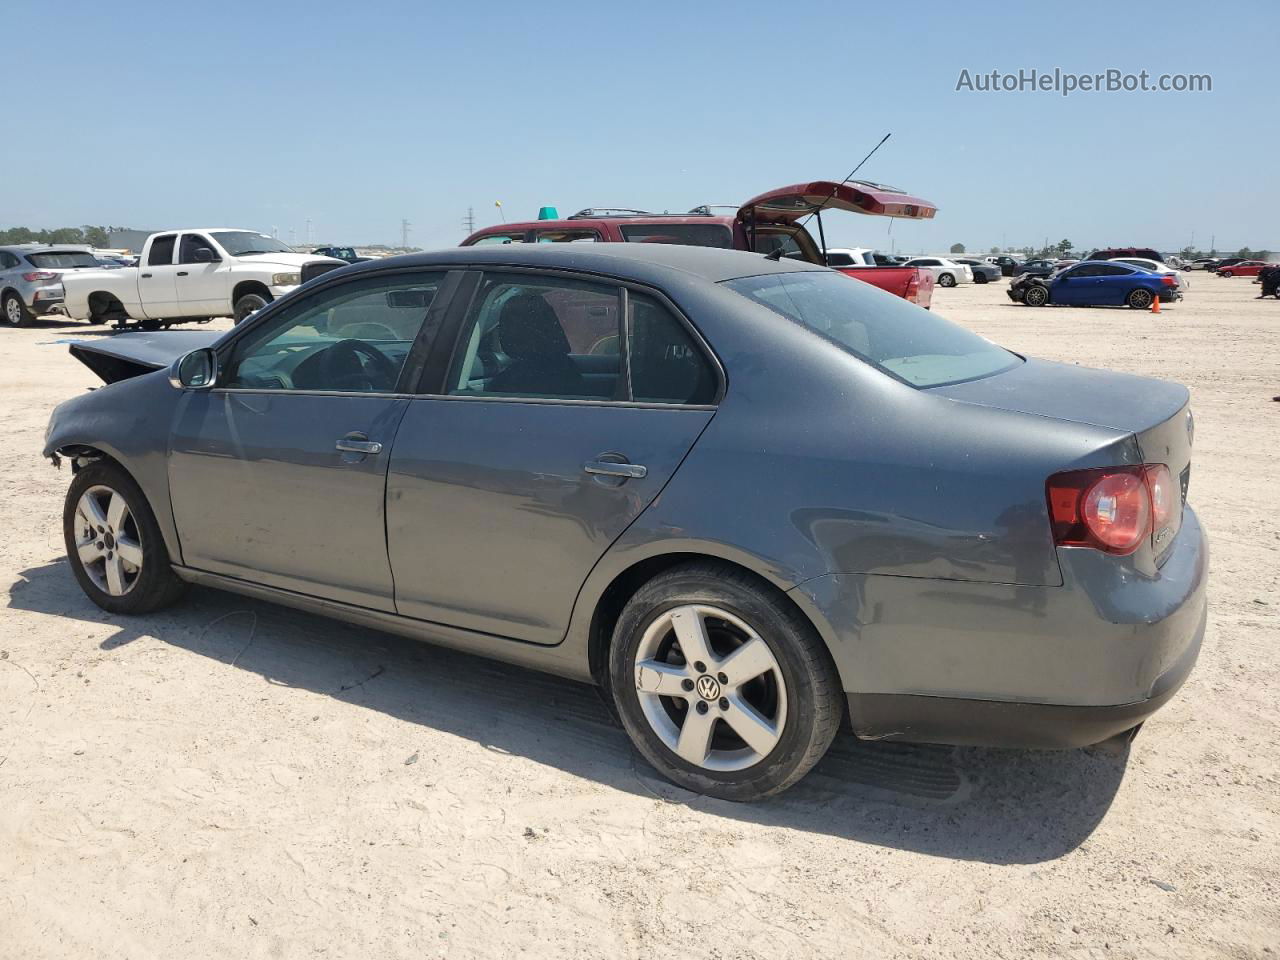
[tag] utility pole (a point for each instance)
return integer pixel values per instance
(404, 234)
(308, 231)
(469, 221)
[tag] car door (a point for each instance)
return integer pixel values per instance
(157, 278)
(278, 474)
(200, 285)
(561, 411)
(1114, 281)
(1074, 286)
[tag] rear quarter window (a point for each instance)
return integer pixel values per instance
(689, 234)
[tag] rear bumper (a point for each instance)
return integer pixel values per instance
(955, 661)
(42, 307)
(1003, 723)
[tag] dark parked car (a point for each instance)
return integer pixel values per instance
(1219, 265)
(747, 497)
(341, 253)
(1090, 284)
(1006, 264)
(1113, 253)
(1035, 268)
(983, 272)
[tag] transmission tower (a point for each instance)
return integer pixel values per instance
(469, 221)
(404, 234)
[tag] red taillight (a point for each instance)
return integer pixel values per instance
(39, 275)
(1112, 509)
(1168, 279)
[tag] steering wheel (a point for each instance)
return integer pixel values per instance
(343, 368)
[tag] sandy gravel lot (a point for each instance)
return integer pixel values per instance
(232, 779)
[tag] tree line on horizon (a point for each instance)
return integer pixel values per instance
(1063, 250)
(86, 235)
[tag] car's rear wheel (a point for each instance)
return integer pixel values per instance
(116, 550)
(1035, 296)
(946, 280)
(979, 278)
(14, 310)
(1140, 299)
(721, 684)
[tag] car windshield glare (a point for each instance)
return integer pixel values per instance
(897, 337)
(241, 243)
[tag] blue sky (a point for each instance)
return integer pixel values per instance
(356, 114)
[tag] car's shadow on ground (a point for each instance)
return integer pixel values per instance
(997, 806)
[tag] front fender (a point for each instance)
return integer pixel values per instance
(128, 421)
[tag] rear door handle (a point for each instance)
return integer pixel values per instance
(146, 276)
(182, 273)
(609, 468)
(358, 443)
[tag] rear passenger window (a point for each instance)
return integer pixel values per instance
(667, 366)
(533, 337)
(161, 254)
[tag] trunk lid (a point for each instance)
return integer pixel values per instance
(792, 203)
(132, 354)
(1156, 412)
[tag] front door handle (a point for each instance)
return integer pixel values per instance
(182, 273)
(358, 443)
(610, 468)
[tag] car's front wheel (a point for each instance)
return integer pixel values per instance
(1140, 299)
(116, 550)
(947, 280)
(15, 311)
(1225, 273)
(1035, 296)
(722, 685)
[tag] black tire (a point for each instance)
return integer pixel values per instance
(810, 686)
(248, 304)
(155, 585)
(1035, 296)
(151, 325)
(946, 280)
(1226, 273)
(14, 311)
(979, 278)
(1140, 298)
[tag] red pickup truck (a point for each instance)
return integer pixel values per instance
(766, 224)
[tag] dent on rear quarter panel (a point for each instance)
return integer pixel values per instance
(130, 421)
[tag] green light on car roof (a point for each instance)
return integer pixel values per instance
(548, 213)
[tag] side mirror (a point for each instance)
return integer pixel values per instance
(197, 370)
(205, 255)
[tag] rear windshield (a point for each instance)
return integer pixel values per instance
(689, 234)
(903, 340)
(62, 259)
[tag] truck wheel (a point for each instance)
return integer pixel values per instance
(946, 280)
(15, 311)
(248, 304)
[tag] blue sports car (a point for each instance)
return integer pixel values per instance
(1096, 283)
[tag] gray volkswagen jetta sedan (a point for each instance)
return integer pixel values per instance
(749, 498)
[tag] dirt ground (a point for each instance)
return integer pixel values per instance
(231, 778)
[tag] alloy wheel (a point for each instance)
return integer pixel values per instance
(710, 687)
(108, 543)
(13, 311)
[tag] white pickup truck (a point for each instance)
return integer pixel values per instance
(191, 275)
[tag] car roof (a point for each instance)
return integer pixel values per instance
(644, 262)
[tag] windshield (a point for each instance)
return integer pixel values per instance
(241, 243)
(901, 339)
(62, 259)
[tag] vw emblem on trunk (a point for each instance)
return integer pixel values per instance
(708, 687)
